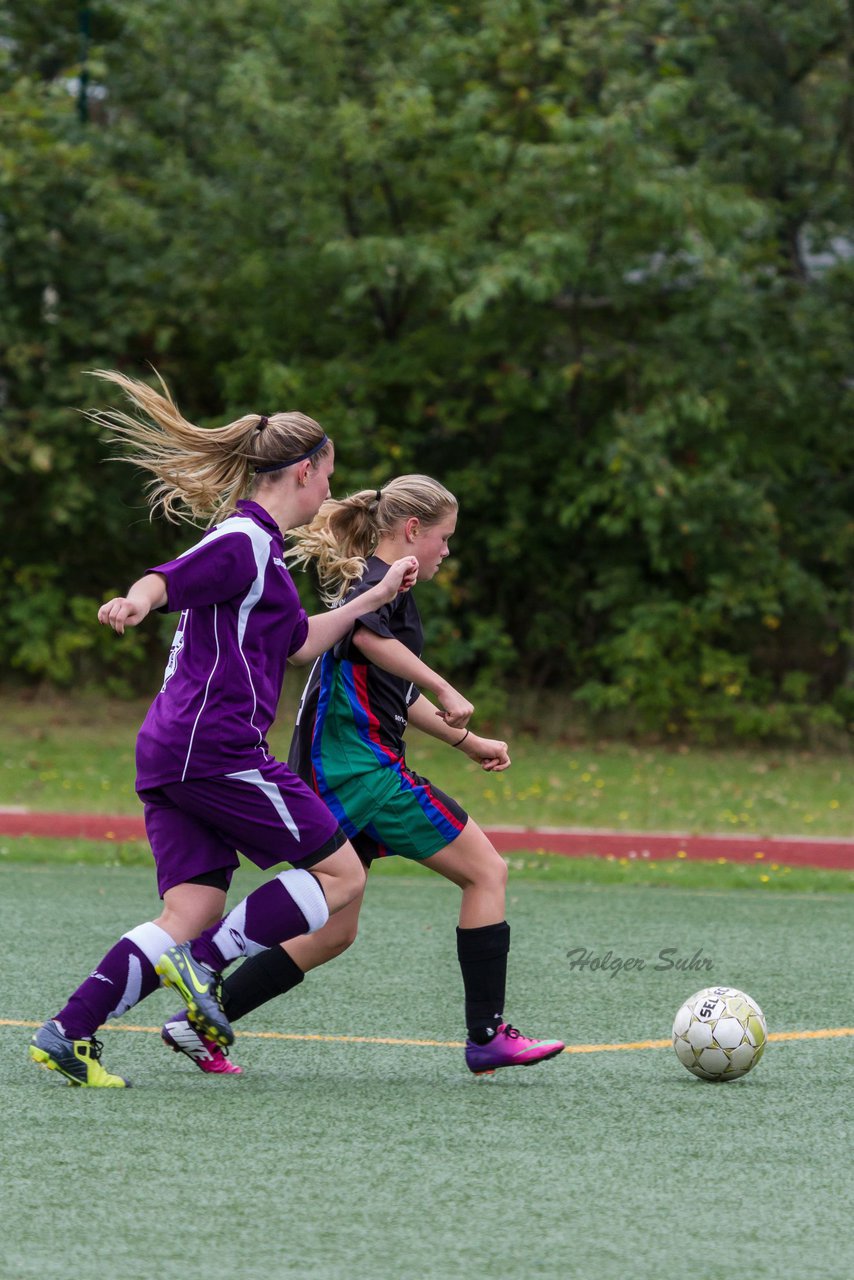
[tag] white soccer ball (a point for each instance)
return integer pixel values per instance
(719, 1033)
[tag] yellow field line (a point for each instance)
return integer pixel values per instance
(827, 1033)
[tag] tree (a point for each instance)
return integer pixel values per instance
(588, 263)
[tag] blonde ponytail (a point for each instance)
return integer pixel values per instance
(344, 533)
(199, 474)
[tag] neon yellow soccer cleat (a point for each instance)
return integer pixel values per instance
(78, 1060)
(200, 989)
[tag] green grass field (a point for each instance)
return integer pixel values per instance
(339, 1158)
(77, 754)
(350, 1150)
(722, 875)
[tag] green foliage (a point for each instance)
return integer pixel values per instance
(589, 263)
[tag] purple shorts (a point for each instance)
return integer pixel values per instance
(268, 814)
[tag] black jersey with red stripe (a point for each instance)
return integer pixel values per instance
(353, 715)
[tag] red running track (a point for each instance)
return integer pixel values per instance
(837, 855)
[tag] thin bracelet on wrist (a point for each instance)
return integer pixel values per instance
(461, 740)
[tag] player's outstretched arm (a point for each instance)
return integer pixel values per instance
(393, 656)
(326, 629)
(490, 753)
(130, 610)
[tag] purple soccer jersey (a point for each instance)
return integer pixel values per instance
(205, 776)
(240, 620)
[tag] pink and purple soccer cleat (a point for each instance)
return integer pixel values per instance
(509, 1048)
(182, 1037)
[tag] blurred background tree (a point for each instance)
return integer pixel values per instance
(590, 263)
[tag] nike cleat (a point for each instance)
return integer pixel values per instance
(182, 1037)
(509, 1048)
(78, 1060)
(199, 988)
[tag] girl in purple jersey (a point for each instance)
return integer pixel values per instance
(204, 773)
(349, 744)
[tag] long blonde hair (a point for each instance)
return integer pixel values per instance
(200, 474)
(345, 532)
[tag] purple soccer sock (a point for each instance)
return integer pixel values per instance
(124, 977)
(292, 904)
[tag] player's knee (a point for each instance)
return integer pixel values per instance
(353, 881)
(342, 940)
(344, 885)
(492, 869)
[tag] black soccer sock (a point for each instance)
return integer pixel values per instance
(260, 978)
(482, 955)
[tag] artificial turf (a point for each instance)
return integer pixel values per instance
(346, 1158)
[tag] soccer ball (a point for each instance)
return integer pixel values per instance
(719, 1033)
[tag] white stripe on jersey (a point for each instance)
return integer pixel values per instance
(205, 698)
(261, 548)
(273, 794)
(260, 541)
(304, 693)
